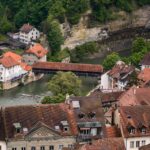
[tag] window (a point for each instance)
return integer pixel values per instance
(51, 147)
(14, 148)
(137, 143)
(132, 144)
(23, 148)
(143, 130)
(132, 131)
(143, 143)
(42, 148)
(33, 148)
(60, 147)
(85, 132)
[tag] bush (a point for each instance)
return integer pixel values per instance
(82, 51)
(53, 99)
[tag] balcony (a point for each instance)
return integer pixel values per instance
(87, 137)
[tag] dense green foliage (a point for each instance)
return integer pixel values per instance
(36, 11)
(53, 99)
(80, 52)
(111, 60)
(52, 28)
(65, 83)
(48, 14)
(139, 48)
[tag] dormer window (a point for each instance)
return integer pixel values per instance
(143, 130)
(81, 115)
(65, 125)
(92, 115)
(132, 131)
(17, 127)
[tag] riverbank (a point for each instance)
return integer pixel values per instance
(34, 92)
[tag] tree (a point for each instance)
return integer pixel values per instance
(54, 35)
(133, 79)
(57, 10)
(65, 83)
(53, 99)
(138, 44)
(81, 51)
(5, 25)
(111, 60)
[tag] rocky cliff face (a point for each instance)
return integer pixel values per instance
(80, 33)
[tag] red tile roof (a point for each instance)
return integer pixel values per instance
(135, 117)
(113, 131)
(29, 116)
(107, 97)
(68, 67)
(144, 76)
(105, 144)
(18, 59)
(121, 70)
(135, 96)
(15, 56)
(8, 62)
(37, 50)
(26, 28)
(145, 147)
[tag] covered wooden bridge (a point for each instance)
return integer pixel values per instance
(78, 69)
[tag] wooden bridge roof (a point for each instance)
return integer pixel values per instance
(68, 67)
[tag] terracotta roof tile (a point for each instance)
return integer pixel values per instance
(15, 56)
(105, 144)
(144, 76)
(29, 116)
(135, 117)
(113, 131)
(37, 50)
(135, 96)
(8, 62)
(26, 28)
(107, 97)
(68, 67)
(121, 70)
(145, 147)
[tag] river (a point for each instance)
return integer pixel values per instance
(35, 91)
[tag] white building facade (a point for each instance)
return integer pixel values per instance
(28, 34)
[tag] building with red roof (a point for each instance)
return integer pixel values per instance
(117, 78)
(134, 124)
(12, 69)
(36, 53)
(28, 34)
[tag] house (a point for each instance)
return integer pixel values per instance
(39, 127)
(28, 34)
(134, 124)
(12, 70)
(144, 77)
(135, 96)
(89, 118)
(117, 78)
(36, 53)
(145, 63)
